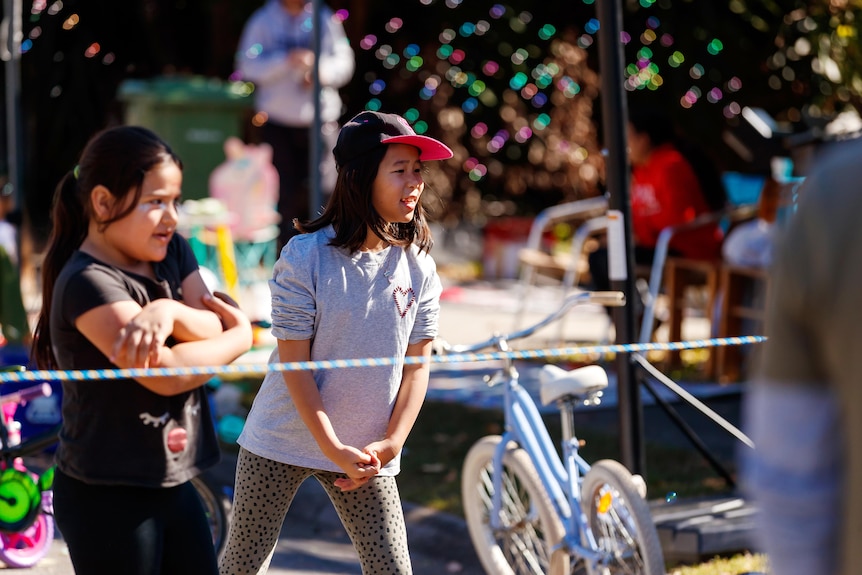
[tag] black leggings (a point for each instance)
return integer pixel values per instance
(133, 530)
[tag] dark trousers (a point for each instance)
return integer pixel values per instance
(290, 155)
(113, 529)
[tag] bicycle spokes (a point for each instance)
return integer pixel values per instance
(616, 532)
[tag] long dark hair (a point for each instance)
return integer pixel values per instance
(351, 212)
(118, 159)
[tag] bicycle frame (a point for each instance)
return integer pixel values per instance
(560, 476)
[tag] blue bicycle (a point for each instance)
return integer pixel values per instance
(531, 511)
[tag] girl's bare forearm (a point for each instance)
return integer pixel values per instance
(220, 350)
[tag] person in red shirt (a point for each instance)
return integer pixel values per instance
(671, 184)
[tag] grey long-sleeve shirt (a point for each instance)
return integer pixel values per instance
(353, 306)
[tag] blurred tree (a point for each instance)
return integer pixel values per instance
(817, 54)
(799, 60)
(77, 52)
(511, 85)
(506, 85)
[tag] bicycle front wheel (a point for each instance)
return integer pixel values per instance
(529, 526)
(23, 549)
(620, 521)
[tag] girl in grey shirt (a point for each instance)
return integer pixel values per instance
(356, 283)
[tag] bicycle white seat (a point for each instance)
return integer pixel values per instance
(556, 383)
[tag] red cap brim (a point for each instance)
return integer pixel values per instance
(429, 148)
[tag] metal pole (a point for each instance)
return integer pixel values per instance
(614, 120)
(11, 54)
(314, 193)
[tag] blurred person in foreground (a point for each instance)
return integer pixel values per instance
(276, 54)
(804, 408)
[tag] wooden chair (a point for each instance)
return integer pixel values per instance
(744, 292)
(679, 275)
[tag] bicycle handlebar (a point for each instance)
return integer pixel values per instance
(27, 394)
(605, 298)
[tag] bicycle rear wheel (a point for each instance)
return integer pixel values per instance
(620, 521)
(530, 526)
(218, 507)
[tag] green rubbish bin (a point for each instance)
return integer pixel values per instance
(195, 115)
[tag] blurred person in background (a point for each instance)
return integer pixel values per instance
(750, 243)
(276, 54)
(672, 182)
(803, 410)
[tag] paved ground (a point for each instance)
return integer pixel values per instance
(313, 541)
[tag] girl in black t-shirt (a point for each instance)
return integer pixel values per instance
(122, 289)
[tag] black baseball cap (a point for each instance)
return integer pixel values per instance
(367, 130)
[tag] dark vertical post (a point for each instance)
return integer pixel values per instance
(11, 54)
(614, 120)
(314, 193)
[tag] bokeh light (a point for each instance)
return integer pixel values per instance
(377, 87)
(715, 46)
(368, 42)
(518, 81)
(490, 68)
(394, 25)
(479, 130)
(547, 32)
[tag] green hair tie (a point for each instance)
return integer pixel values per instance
(76, 171)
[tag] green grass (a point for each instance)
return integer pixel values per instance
(444, 432)
(736, 565)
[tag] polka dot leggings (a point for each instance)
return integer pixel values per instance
(372, 516)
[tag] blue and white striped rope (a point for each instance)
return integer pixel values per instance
(242, 369)
(245, 369)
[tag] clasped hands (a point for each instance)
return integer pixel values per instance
(361, 466)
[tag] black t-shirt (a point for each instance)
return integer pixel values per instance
(115, 431)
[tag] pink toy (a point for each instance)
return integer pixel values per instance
(247, 183)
